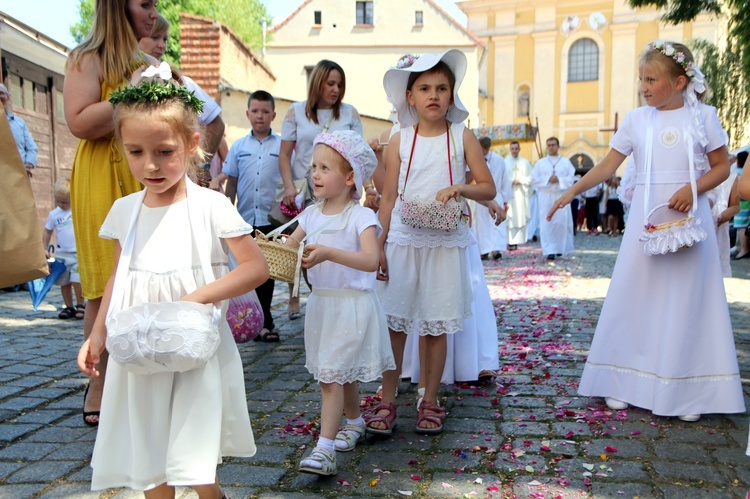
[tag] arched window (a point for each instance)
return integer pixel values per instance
(583, 61)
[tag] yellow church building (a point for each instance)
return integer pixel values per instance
(571, 65)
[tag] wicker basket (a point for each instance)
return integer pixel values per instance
(665, 237)
(282, 259)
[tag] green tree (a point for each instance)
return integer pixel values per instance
(727, 91)
(727, 67)
(244, 17)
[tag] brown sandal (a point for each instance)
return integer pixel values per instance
(435, 415)
(389, 420)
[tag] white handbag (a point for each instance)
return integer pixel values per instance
(169, 336)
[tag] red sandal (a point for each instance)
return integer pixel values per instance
(389, 420)
(432, 413)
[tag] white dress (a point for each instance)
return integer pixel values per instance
(171, 427)
(346, 336)
(664, 339)
(428, 292)
(474, 348)
(491, 237)
(721, 194)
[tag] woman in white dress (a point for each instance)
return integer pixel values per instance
(165, 428)
(664, 340)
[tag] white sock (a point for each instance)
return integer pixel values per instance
(323, 443)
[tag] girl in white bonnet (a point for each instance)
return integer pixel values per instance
(346, 338)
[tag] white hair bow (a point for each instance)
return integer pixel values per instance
(163, 71)
(696, 86)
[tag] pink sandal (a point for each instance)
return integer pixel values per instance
(389, 420)
(432, 413)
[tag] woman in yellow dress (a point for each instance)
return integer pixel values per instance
(104, 61)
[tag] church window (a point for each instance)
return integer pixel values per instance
(583, 61)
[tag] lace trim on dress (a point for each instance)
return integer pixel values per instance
(425, 327)
(343, 375)
(705, 378)
(460, 239)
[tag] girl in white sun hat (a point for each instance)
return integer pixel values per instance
(425, 236)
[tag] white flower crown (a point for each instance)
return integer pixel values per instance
(679, 57)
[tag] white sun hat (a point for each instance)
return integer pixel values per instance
(395, 81)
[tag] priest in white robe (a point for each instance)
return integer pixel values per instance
(492, 239)
(518, 169)
(552, 176)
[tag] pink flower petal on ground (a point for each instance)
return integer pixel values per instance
(611, 449)
(492, 488)
(416, 478)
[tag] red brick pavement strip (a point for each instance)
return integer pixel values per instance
(527, 435)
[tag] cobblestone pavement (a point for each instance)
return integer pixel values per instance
(527, 435)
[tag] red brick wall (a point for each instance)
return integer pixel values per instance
(201, 55)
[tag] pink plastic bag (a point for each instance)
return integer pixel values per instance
(245, 317)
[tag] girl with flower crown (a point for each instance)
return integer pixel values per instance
(163, 428)
(664, 340)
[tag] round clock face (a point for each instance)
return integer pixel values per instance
(570, 24)
(597, 20)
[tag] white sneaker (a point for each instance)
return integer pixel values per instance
(689, 418)
(616, 405)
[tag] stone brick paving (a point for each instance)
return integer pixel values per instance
(528, 435)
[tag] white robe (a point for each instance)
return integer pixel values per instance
(519, 171)
(556, 234)
(493, 237)
(720, 197)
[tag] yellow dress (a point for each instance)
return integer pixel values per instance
(100, 176)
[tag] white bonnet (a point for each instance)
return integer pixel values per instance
(358, 153)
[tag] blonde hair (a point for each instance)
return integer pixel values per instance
(318, 78)
(62, 189)
(666, 65)
(161, 25)
(173, 111)
(113, 39)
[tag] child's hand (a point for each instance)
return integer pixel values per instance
(88, 355)
(682, 200)
(317, 254)
(562, 201)
(445, 195)
(382, 274)
(374, 143)
(727, 215)
(497, 212)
